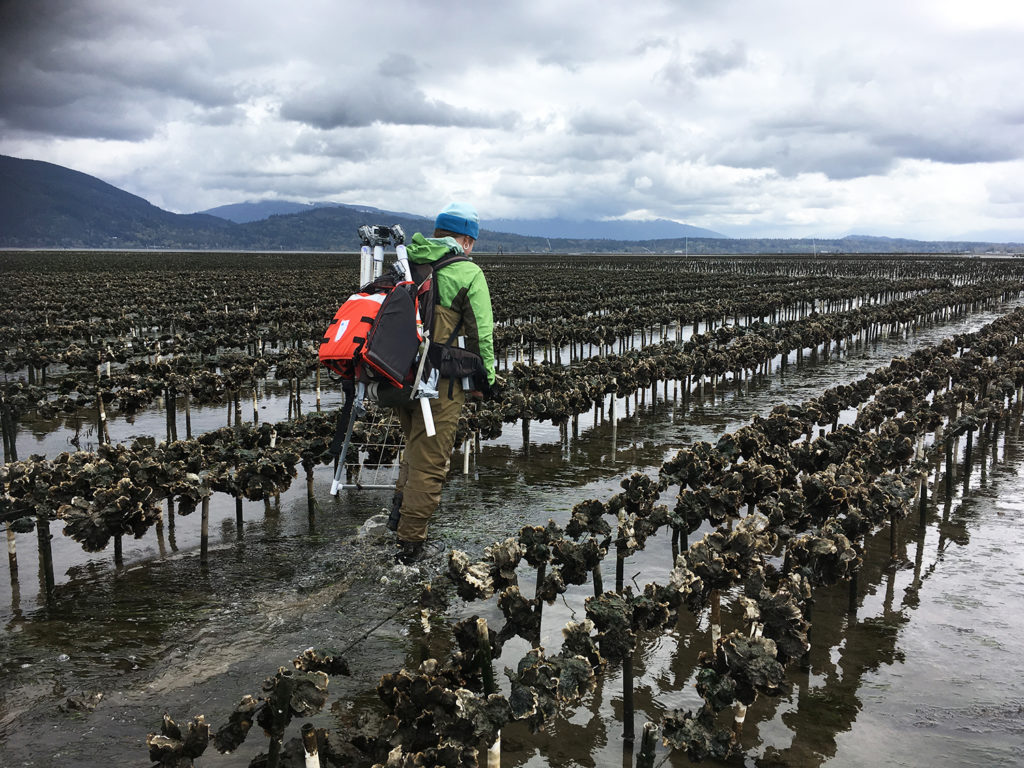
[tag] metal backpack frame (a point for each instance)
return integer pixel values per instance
(374, 238)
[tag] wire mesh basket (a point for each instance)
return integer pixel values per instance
(375, 450)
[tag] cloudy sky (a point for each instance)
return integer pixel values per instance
(775, 118)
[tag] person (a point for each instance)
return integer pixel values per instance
(464, 308)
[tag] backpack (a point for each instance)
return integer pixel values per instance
(377, 333)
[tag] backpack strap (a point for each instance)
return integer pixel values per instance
(450, 258)
(444, 261)
(441, 263)
(421, 272)
(455, 333)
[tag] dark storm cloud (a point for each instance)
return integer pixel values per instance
(794, 148)
(839, 148)
(97, 70)
(384, 101)
(838, 161)
(714, 106)
(92, 117)
(844, 143)
(954, 147)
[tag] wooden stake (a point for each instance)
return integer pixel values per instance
(309, 746)
(167, 412)
(648, 744)
(716, 617)
(484, 657)
(893, 544)
(310, 496)
(12, 553)
(805, 659)
(620, 565)
(924, 499)
(7, 426)
(538, 603)
(628, 734)
(740, 716)
(102, 436)
(204, 535)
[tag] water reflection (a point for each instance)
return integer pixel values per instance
(804, 727)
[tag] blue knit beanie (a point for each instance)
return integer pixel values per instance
(460, 218)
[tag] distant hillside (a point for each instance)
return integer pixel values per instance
(257, 210)
(816, 246)
(42, 204)
(48, 206)
(322, 229)
(650, 229)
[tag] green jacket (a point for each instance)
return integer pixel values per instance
(462, 288)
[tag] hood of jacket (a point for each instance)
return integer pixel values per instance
(426, 250)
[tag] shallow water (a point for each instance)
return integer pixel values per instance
(929, 669)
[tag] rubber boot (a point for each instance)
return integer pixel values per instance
(409, 552)
(396, 512)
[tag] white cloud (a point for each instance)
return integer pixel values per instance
(782, 118)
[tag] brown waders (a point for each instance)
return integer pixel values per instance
(425, 459)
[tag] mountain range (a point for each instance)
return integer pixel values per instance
(43, 205)
(617, 229)
(257, 210)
